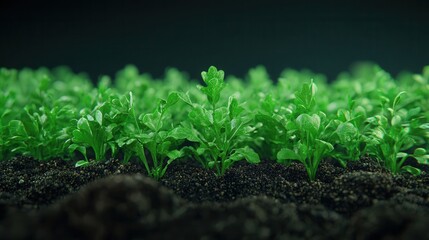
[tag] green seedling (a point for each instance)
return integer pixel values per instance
(389, 139)
(220, 132)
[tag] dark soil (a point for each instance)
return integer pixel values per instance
(55, 200)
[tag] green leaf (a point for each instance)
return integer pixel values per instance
(83, 124)
(378, 133)
(419, 152)
(16, 127)
(396, 120)
(423, 159)
(413, 112)
(82, 163)
(397, 99)
(327, 146)
(172, 99)
(183, 133)
(200, 117)
(130, 100)
(414, 171)
(249, 154)
(81, 137)
(309, 123)
(175, 154)
(424, 126)
(401, 155)
(214, 81)
(268, 105)
(234, 109)
(123, 141)
(287, 154)
(201, 150)
(185, 98)
(151, 120)
(304, 99)
(99, 117)
(90, 118)
(164, 147)
(346, 132)
(113, 147)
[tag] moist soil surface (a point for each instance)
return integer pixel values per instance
(110, 200)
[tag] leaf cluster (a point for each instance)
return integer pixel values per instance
(301, 117)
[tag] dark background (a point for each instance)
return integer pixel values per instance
(325, 36)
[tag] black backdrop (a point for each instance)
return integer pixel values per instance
(325, 36)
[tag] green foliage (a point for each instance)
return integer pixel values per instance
(310, 146)
(221, 132)
(390, 137)
(346, 133)
(91, 132)
(153, 133)
(56, 113)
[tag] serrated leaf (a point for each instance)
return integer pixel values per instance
(214, 81)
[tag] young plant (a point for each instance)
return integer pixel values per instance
(4, 113)
(307, 132)
(221, 132)
(154, 133)
(389, 139)
(41, 133)
(310, 148)
(92, 132)
(346, 134)
(271, 119)
(98, 129)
